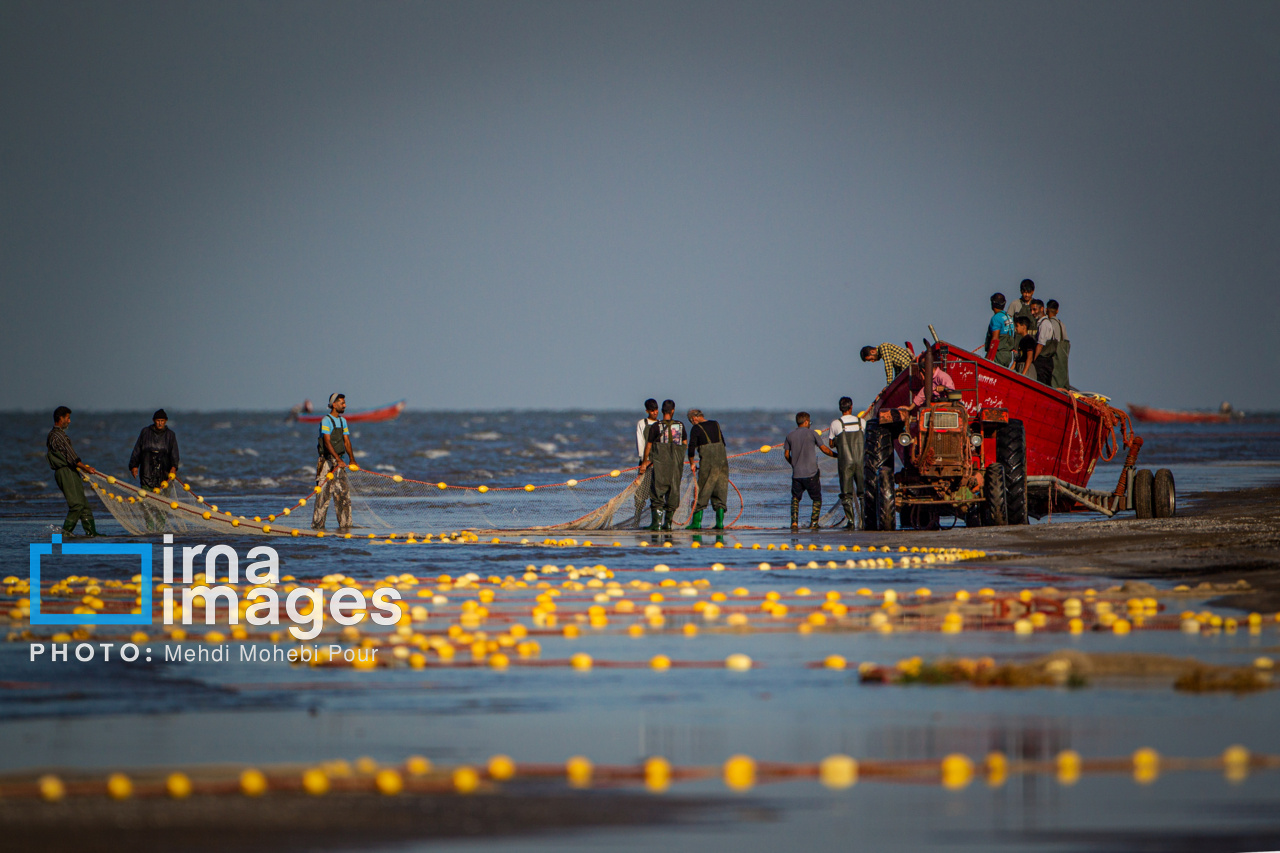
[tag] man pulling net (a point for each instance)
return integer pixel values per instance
(664, 453)
(846, 437)
(707, 440)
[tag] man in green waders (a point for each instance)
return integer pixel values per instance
(664, 452)
(707, 440)
(66, 466)
(845, 436)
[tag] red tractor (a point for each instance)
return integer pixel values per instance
(955, 461)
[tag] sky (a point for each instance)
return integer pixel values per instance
(494, 205)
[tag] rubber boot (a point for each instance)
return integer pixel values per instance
(666, 520)
(720, 519)
(656, 515)
(90, 526)
(813, 516)
(849, 513)
(795, 513)
(696, 522)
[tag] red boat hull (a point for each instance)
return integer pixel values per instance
(384, 413)
(1065, 434)
(1165, 416)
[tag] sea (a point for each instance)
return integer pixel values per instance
(77, 717)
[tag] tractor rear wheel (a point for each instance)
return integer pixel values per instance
(1011, 452)
(1143, 486)
(886, 513)
(877, 454)
(995, 509)
(1163, 495)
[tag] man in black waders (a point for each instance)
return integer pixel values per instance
(154, 462)
(66, 466)
(664, 453)
(331, 470)
(846, 437)
(712, 469)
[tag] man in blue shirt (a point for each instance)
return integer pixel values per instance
(999, 344)
(801, 448)
(331, 470)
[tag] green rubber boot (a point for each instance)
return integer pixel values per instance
(696, 522)
(666, 520)
(90, 526)
(795, 513)
(813, 516)
(656, 523)
(720, 519)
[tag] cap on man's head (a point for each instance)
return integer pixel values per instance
(695, 413)
(335, 397)
(159, 415)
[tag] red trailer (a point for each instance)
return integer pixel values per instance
(1000, 448)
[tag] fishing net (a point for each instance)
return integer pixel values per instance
(382, 504)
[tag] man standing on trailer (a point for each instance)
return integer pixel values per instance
(1022, 307)
(707, 440)
(800, 449)
(1046, 343)
(846, 437)
(331, 469)
(1060, 377)
(663, 452)
(895, 359)
(999, 343)
(644, 492)
(1025, 354)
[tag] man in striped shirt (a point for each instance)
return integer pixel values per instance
(895, 359)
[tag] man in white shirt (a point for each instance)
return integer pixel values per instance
(644, 492)
(845, 437)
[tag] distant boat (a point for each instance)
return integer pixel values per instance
(389, 412)
(1146, 414)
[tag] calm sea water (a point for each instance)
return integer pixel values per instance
(84, 716)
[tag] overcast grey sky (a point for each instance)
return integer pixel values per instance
(537, 204)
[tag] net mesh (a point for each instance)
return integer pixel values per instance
(382, 504)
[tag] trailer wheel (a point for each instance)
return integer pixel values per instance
(1163, 495)
(886, 515)
(877, 454)
(1143, 486)
(995, 509)
(1011, 452)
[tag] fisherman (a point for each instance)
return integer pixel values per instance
(1000, 342)
(1060, 377)
(895, 359)
(1025, 355)
(942, 382)
(846, 437)
(331, 469)
(800, 448)
(1022, 307)
(644, 492)
(662, 453)
(155, 454)
(65, 463)
(707, 440)
(1046, 343)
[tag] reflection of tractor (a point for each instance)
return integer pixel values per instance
(968, 466)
